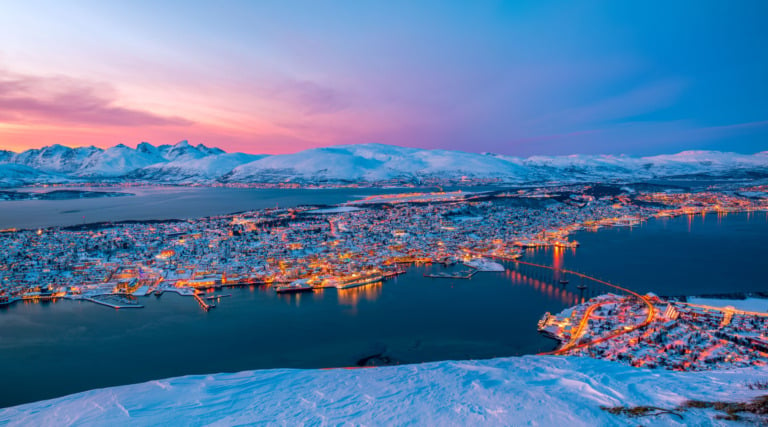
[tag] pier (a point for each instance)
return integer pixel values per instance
(205, 305)
(111, 304)
(455, 275)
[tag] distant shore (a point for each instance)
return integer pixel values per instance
(8, 195)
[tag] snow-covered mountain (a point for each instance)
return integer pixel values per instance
(184, 163)
(179, 163)
(530, 390)
(15, 175)
(588, 167)
(377, 162)
(184, 170)
(117, 161)
(55, 158)
(374, 162)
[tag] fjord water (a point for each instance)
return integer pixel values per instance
(166, 202)
(48, 350)
(162, 202)
(687, 255)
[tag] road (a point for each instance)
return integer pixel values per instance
(585, 319)
(575, 336)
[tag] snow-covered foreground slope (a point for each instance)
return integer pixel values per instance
(535, 390)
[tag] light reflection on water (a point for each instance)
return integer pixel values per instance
(412, 318)
(352, 296)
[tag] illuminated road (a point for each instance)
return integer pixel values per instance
(585, 319)
(582, 326)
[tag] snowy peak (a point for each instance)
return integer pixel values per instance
(194, 170)
(57, 163)
(55, 158)
(377, 162)
(374, 162)
(183, 149)
(6, 155)
(184, 163)
(117, 161)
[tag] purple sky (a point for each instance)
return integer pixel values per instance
(517, 78)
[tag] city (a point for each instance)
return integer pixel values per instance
(654, 332)
(383, 213)
(366, 241)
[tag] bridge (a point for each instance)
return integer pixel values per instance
(580, 329)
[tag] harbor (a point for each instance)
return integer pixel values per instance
(113, 301)
(333, 327)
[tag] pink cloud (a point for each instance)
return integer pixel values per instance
(58, 100)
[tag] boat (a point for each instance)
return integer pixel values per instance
(564, 281)
(301, 285)
(393, 273)
(365, 279)
(582, 286)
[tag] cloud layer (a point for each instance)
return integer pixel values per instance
(55, 100)
(518, 78)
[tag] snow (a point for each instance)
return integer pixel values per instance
(55, 158)
(340, 209)
(535, 390)
(186, 163)
(195, 169)
(14, 175)
(374, 162)
(116, 161)
(749, 304)
(143, 290)
(483, 264)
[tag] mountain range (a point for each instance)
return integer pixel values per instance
(184, 163)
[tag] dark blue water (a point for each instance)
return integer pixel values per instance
(687, 255)
(48, 350)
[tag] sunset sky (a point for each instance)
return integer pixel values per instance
(517, 78)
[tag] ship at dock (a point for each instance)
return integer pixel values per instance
(359, 279)
(301, 285)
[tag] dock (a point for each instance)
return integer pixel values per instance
(205, 305)
(455, 275)
(113, 305)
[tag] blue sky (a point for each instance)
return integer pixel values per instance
(518, 78)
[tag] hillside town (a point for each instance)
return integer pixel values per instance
(308, 248)
(677, 335)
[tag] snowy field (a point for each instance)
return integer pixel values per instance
(536, 390)
(483, 264)
(749, 304)
(340, 209)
